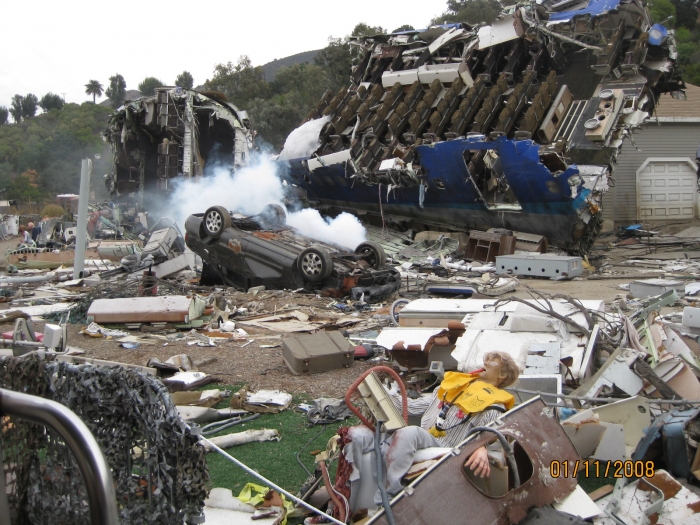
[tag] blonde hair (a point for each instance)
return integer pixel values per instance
(508, 367)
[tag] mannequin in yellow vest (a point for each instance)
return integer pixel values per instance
(462, 402)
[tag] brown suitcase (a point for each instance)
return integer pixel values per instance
(319, 352)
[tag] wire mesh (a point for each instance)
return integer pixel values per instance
(158, 468)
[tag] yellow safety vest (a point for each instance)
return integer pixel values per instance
(471, 394)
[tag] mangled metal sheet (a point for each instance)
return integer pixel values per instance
(513, 125)
(172, 134)
(445, 491)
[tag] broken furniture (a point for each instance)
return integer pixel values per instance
(25, 340)
(486, 246)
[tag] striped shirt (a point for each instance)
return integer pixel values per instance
(428, 406)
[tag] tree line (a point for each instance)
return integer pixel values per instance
(24, 107)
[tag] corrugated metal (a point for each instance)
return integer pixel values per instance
(663, 140)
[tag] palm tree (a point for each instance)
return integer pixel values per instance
(94, 88)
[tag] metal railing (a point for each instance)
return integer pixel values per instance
(91, 462)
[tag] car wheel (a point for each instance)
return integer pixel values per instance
(374, 253)
(274, 214)
(215, 221)
(315, 264)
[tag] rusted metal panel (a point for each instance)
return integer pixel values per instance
(445, 495)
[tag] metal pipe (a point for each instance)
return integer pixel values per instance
(91, 462)
(218, 426)
(81, 237)
(270, 483)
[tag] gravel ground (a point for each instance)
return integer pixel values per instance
(259, 368)
(263, 368)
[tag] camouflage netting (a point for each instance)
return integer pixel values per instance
(158, 468)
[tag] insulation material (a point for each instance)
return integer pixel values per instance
(240, 438)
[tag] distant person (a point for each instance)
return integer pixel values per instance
(25, 238)
(35, 231)
(697, 160)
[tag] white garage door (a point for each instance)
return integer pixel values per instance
(666, 188)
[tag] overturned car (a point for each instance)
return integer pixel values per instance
(244, 252)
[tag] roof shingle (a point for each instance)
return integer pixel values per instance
(670, 107)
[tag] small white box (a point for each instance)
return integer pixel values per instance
(52, 335)
(160, 242)
(691, 317)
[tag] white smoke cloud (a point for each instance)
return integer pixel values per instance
(344, 230)
(248, 191)
(304, 140)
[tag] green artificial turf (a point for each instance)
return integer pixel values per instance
(276, 460)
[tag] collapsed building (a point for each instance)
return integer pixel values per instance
(511, 125)
(174, 133)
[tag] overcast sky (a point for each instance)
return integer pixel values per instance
(59, 46)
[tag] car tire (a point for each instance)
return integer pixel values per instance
(377, 256)
(274, 214)
(314, 264)
(215, 221)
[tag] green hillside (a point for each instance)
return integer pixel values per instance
(271, 68)
(40, 156)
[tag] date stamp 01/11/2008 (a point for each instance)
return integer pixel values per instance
(596, 469)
